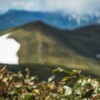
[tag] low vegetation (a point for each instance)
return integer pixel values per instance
(73, 86)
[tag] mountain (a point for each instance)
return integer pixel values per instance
(15, 18)
(48, 45)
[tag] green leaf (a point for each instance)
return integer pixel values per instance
(28, 97)
(67, 78)
(74, 72)
(88, 93)
(61, 70)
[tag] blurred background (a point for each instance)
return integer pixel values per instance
(46, 34)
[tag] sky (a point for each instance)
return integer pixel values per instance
(79, 7)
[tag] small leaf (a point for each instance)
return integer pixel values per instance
(51, 78)
(28, 97)
(67, 78)
(61, 70)
(68, 90)
(74, 72)
(88, 93)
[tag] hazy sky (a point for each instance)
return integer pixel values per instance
(65, 6)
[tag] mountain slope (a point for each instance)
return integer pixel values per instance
(44, 44)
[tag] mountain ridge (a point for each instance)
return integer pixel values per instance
(45, 44)
(15, 18)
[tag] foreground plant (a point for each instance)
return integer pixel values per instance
(74, 86)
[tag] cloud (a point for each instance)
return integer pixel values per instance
(72, 6)
(65, 6)
(30, 5)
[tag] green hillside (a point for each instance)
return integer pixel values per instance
(43, 44)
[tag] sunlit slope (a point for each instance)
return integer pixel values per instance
(43, 44)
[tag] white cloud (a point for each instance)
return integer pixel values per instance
(72, 6)
(26, 5)
(66, 6)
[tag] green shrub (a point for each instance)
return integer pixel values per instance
(74, 86)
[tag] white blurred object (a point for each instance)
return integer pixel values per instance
(98, 56)
(8, 50)
(68, 90)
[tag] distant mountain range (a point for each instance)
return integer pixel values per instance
(47, 45)
(15, 18)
